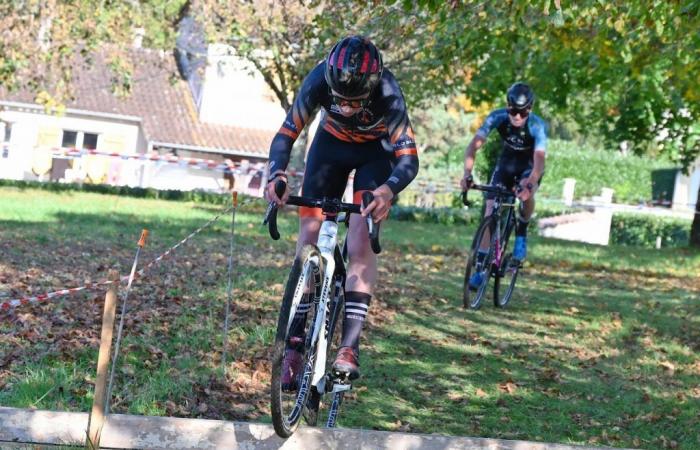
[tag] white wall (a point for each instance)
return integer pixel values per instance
(685, 192)
(232, 96)
(33, 130)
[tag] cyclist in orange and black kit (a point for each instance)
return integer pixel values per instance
(364, 126)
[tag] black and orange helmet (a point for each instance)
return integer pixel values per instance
(354, 67)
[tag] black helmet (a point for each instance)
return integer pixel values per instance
(520, 96)
(353, 67)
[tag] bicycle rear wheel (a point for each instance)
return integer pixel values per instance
(288, 405)
(505, 281)
(472, 298)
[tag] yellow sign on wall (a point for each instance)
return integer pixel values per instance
(96, 167)
(41, 161)
(47, 139)
(112, 143)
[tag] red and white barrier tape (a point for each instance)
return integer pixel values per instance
(13, 303)
(190, 162)
(38, 298)
(209, 164)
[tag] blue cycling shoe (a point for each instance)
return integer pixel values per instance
(520, 250)
(475, 280)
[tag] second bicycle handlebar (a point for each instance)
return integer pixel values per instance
(498, 190)
(328, 206)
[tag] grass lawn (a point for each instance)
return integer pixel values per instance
(600, 345)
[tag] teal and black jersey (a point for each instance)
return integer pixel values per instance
(519, 146)
(518, 143)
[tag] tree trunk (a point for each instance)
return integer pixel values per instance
(695, 227)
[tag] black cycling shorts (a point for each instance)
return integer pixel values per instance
(331, 160)
(507, 171)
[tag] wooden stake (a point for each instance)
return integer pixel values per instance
(97, 416)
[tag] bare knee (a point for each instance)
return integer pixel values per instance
(308, 231)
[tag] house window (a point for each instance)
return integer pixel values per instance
(79, 139)
(6, 134)
(5, 131)
(70, 139)
(89, 141)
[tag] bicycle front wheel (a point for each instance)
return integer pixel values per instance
(290, 392)
(475, 289)
(505, 281)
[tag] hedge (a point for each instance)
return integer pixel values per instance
(629, 176)
(191, 196)
(643, 230)
(626, 228)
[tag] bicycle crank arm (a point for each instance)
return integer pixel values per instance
(335, 406)
(337, 387)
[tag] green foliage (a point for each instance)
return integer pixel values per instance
(643, 230)
(630, 176)
(444, 216)
(626, 70)
(443, 134)
(43, 36)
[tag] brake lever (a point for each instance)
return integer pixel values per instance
(465, 201)
(271, 212)
(372, 228)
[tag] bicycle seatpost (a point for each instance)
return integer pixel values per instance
(372, 228)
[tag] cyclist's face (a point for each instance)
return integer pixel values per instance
(349, 105)
(518, 117)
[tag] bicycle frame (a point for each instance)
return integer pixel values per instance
(327, 244)
(503, 198)
(499, 250)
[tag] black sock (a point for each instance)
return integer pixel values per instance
(356, 307)
(521, 227)
(296, 329)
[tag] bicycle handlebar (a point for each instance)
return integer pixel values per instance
(328, 206)
(498, 190)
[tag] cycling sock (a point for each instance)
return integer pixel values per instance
(296, 329)
(521, 227)
(356, 307)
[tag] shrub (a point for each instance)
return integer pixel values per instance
(445, 216)
(190, 196)
(630, 176)
(643, 230)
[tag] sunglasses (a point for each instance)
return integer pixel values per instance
(354, 103)
(518, 112)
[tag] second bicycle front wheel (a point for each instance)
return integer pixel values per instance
(475, 289)
(505, 281)
(291, 380)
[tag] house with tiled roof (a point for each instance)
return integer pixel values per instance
(218, 113)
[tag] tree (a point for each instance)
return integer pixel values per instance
(285, 39)
(41, 37)
(627, 70)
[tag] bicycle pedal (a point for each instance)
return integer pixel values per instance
(342, 377)
(339, 375)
